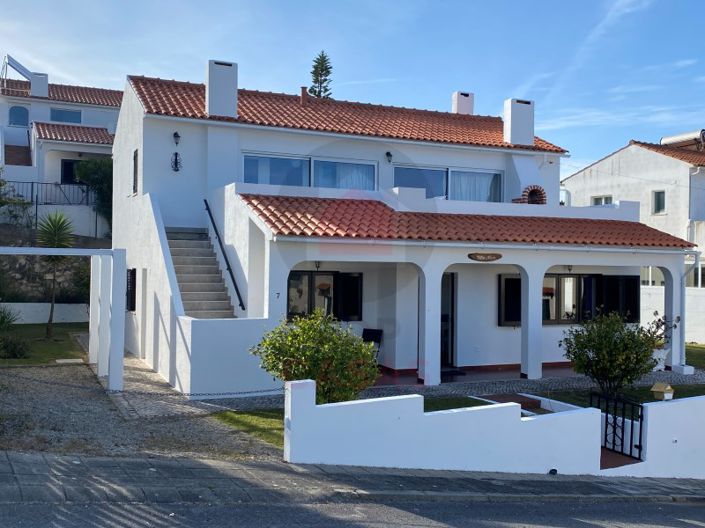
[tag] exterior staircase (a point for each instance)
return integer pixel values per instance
(203, 290)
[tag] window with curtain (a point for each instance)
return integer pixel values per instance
(475, 186)
(19, 116)
(344, 175)
(433, 180)
(277, 171)
(65, 116)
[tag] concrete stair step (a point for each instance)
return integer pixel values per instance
(211, 306)
(206, 260)
(212, 278)
(197, 270)
(192, 252)
(220, 295)
(211, 314)
(186, 233)
(201, 287)
(190, 244)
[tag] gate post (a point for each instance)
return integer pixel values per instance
(118, 291)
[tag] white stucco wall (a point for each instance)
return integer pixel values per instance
(652, 299)
(34, 313)
(395, 432)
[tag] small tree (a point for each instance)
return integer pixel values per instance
(320, 76)
(55, 231)
(320, 348)
(98, 175)
(612, 352)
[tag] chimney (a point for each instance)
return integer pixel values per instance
(519, 122)
(221, 89)
(304, 96)
(463, 103)
(39, 85)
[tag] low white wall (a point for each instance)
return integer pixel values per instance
(395, 432)
(674, 436)
(652, 299)
(86, 221)
(32, 313)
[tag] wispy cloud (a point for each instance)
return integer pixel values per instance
(382, 80)
(530, 84)
(662, 116)
(668, 67)
(625, 89)
(685, 63)
(617, 11)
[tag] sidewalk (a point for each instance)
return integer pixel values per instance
(43, 478)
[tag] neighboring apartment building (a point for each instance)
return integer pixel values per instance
(45, 129)
(442, 231)
(667, 179)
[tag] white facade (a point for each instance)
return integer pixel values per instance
(401, 279)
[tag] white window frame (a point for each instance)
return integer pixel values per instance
(653, 202)
(601, 197)
(351, 161)
(80, 115)
(9, 109)
(448, 169)
(277, 155)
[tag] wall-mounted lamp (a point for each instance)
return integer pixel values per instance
(317, 263)
(175, 162)
(569, 268)
(389, 156)
(177, 138)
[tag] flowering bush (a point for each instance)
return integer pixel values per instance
(320, 348)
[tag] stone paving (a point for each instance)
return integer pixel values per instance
(44, 478)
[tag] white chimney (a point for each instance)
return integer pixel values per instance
(39, 85)
(519, 121)
(221, 89)
(463, 103)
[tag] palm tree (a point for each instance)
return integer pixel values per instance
(55, 231)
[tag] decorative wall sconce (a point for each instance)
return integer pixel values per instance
(317, 263)
(176, 162)
(177, 138)
(389, 156)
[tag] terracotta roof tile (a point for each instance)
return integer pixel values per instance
(183, 99)
(66, 93)
(73, 133)
(371, 219)
(694, 157)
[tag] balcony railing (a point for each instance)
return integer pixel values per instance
(51, 193)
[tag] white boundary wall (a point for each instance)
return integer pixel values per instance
(33, 313)
(652, 300)
(395, 432)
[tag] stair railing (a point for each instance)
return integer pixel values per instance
(225, 255)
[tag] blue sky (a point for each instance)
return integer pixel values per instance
(601, 72)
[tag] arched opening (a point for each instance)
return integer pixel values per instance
(19, 116)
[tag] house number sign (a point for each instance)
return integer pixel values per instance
(484, 257)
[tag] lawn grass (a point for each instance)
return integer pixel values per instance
(638, 394)
(268, 424)
(695, 355)
(44, 351)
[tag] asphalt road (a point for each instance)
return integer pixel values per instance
(412, 514)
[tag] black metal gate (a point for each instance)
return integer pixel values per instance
(622, 424)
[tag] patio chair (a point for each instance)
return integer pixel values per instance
(373, 335)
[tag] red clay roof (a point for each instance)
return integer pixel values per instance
(73, 133)
(371, 219)
(183, 99)
(694, 157)
(66, 93)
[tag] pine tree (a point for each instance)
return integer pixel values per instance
(320, 76)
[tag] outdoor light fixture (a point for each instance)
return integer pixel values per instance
(388, 155)
(177, 138)
(569, 268)
(175, 162)
(317, 263)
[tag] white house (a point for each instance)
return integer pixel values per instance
(443, 230)
(668, 180)
(45, 129)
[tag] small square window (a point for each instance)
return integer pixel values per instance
(658, 202)
(601, 200)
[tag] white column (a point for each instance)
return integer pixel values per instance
(118, 291)
(650, 280)
(430, 326)
(93, 326)
(104, 323)
(700, 274)
(531, 322)
(675, 307)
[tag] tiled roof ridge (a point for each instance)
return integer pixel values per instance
(69, 125)
(59, 85)
(686, 155)
(72, 133)
(332, 101)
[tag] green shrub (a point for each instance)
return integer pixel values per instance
(8, 317)
(612, 352)
(318, 347)
(13, 347)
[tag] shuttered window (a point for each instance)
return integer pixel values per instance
(135, 165)
(131, 301)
